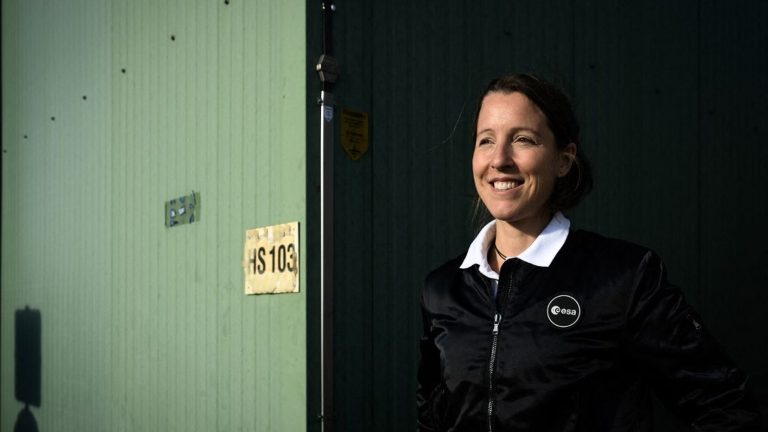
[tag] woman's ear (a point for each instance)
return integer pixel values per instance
(567, 156)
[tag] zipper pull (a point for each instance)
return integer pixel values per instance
(496, 321)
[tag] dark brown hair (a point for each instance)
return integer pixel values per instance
(573, 187)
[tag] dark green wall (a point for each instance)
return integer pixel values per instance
(671, 96)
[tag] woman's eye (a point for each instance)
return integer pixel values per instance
(524, 140)
(484, 141)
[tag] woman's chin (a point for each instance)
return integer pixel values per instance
(520, 218)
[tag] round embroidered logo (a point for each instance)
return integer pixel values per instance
(563, 311)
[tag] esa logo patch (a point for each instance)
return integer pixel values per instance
(563, 311)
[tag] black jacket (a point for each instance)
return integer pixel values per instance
(578, 346)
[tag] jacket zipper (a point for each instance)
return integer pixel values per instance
(491, 368)
(494, 342)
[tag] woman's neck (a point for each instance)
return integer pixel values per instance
(513, 238)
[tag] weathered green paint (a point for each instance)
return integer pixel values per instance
(145, 327)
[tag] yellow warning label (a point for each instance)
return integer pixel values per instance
(271, 261)
(354, 133)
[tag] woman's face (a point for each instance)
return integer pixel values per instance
(516, 160)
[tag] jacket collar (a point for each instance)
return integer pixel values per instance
(540, 253)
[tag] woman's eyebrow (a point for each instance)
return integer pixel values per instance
(515, 130)
(484, 131)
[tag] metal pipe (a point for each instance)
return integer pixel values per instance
(326, 259)
(327, 70)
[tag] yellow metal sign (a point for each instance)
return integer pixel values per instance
(354, 133)
(271, 261)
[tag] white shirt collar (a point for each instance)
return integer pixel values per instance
(540, 253)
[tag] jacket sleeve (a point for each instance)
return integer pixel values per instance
(428, 377)
(688, 370)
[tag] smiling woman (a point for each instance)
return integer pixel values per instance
(541, 328)
(516, 164)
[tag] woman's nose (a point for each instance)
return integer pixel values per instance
(502, 156)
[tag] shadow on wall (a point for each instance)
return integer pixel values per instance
(28, 360)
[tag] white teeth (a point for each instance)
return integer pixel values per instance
(504, 185)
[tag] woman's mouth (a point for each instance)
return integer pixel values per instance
(506, 185)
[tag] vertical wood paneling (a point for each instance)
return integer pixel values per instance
(144, 327)
(636, 92)
(355, 224)
(732, 112)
